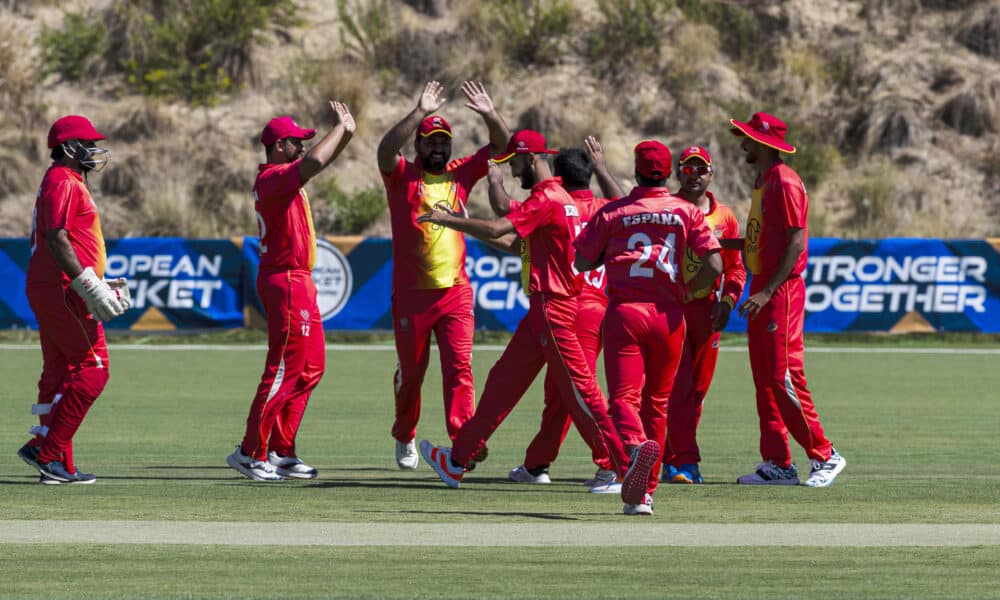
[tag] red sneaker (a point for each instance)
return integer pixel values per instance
(637, 476)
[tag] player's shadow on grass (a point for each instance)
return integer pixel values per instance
(493, 513)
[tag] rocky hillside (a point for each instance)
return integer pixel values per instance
(894, 104)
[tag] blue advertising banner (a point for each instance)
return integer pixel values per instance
(891, 285)
(175, 283)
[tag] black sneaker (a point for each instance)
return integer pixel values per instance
(29, 454)
(55, 470)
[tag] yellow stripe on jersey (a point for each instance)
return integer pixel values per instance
(312, 230)
(692, 263)
(754, 222)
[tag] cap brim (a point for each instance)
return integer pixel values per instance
(742, 129)
(433, 131)
(504, 158)
(688, 159)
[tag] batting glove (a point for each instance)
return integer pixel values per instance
(120, 288)
(101, 301)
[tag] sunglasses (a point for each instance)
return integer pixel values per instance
(696, 169)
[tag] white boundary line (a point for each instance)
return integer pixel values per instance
(498, 348)
(497, 534)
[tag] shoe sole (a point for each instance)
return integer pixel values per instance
(604, 489)
(441, 472)
(404, 467)
(637, 478)
(295, 475)
(247, 472)
(829, 482)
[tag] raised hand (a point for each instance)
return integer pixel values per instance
(342, 115)
(479, 99)
(430, 99)
(596, 152)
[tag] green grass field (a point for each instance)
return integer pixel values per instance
(919, 432)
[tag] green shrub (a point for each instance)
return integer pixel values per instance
(191, 49)
(533, 32)
(74, 50)
(872, 201)
(352, 212)
(368, 31)
(627, 32)
(739, 33)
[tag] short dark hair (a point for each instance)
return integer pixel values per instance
(57, 152)
(646, 182)
(575, 167)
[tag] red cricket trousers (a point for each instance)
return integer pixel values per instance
(544, 447)
(74, 369)
(546, 335)
(642, 350)
(449, 314)
(296, 359)
(777, 349)
(694, 376)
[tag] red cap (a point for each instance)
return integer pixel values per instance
(73, 127)
(766, 129)
(652, 160)
(434, 124)
(284, 127)
(696, 152)
(525, 141)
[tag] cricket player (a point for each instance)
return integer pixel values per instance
(575, 167)
(641, 240)
(705, 315)
(70, 299)
(431, 292)
(776, 247)
(545, 225)
(296, 348)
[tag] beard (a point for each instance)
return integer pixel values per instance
(435, 162)
(528, 179)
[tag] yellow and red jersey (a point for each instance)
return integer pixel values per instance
(64, 202)
(779, 202)
(287, 235)
(723, 224)
(426, 255)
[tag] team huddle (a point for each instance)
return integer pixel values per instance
(649, 276)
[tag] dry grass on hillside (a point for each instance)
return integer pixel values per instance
(894, 105)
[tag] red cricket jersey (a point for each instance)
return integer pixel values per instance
(287, 236)
(641, 239)
(779, 202)
(425, 255)
(723, 223)
(547, 223)
(63, 202)
(594, 281)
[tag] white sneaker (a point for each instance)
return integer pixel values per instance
(643, 508)
(605, 482)
(768, 473)
(520, 474)
(258, 470)
(291, 466)
(406, 455)
(822, 474)
(601, 476)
